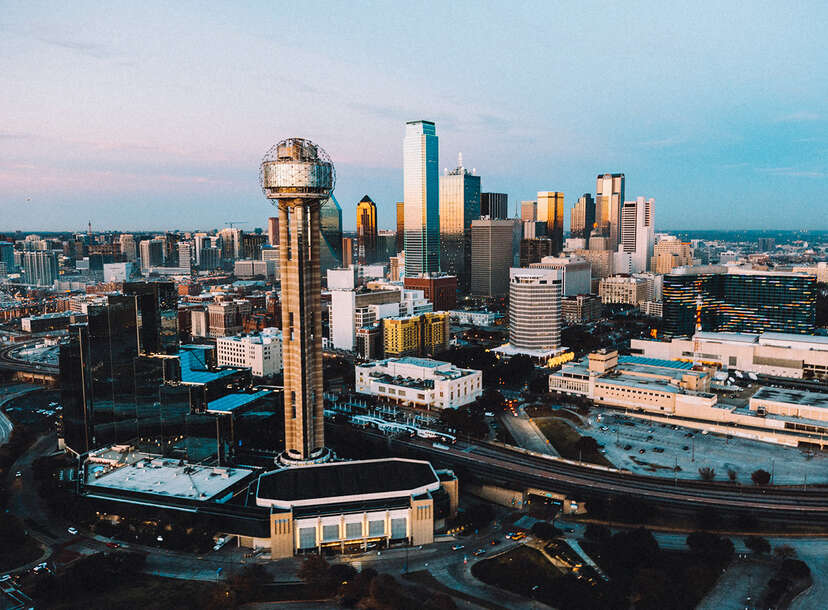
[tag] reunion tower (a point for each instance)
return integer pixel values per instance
(298, 176)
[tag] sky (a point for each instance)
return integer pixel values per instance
(150, 116)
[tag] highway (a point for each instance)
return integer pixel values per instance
(9, 363)
(515, 468)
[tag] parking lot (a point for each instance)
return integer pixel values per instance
(654, 448)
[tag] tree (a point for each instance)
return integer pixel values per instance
(597, 532)
(707, 473)
(586, 445)
(758, 545)
(731, 474)
(784, 551)
(314, 570)
(710, 546)
(760, 477)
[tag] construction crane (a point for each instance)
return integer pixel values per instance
(236, 222)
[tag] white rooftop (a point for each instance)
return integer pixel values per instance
(167, 477)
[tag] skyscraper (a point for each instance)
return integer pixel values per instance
(609, 197)
(366, 224)
(528, 211)
(400, 226)
(128, 246)
(152, 253)
(550, 211)
(638, 232)
(330, 220)
(459, 205)
(582, 217)
(492, 256)
(535, 309)
(298, 176)
(273, 231)
(494, 205)
(670, 253)
(40, 267)
(421, 194)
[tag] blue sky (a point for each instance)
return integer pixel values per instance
(156, 115)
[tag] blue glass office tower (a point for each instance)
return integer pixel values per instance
(421, 194)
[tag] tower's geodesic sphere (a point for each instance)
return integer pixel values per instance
(296, 168)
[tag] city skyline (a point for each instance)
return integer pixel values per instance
(165, 145)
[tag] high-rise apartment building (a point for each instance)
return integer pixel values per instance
(7, 256)
(609, 197)
(273, 231)
(534, 310)
(40, 267)
(400, 226)
(251, 245)
(533, 250)
(624, 289)
(638, 232)
(551, 211)
(582, 217)
(128, 246)
(152, 254)
(298, 176)
(494, 205)
(459, 205)
(728, 299)
(421, 192)
(366, 224)
(230, 243)
(670, 253)
(492, 256)
(422, 335)
(185, 254)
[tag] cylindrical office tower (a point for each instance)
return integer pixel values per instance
(298, 176)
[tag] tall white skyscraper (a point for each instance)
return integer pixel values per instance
(421, 193)
(535, 309)
(638, 232)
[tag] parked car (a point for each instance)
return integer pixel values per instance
(457, 547)
(73, 531)
(479, 552)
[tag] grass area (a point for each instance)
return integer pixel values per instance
(518, 570)
(147, 592)
(14, 556)
(565, 439)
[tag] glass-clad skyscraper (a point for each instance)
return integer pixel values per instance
(366, 224)
(330, 246)
(421, 193)
(738, 301)
(459, 205)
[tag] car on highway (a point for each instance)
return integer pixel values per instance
(457, 547)
(18, 474)
(658, 449)
(494, 542)
(5, 577)
(642, 451)
(73, 531)
(113, 545)
(479, 552)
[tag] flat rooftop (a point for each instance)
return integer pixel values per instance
(657, 362)
(641, 383)
(231, 402)
(727, 337)
(792, 396)
(152, 474)
(194, 368)
(341, 481)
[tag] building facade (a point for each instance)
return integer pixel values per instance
(459, 205)
(494, 205)
(492, 256)
(670, 253)
(609, 197)
(535, 310)
(441, 290)
(260, 352)
(419, 382)
(638, 232)
(728, 299)
(419, 335)
(366, 224)
(551, 211)
(422, 198)
(582, 217)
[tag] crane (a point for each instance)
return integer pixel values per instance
(236, 222)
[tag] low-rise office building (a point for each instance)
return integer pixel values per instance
(51, 321)
(773, 354)
(474, 318)
(260, 352)
(419, 382)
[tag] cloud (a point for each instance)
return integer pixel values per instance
(663, 142)
(89, 49)
(791, 171)
(15, 135)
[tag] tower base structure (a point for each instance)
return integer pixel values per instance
(290, 459)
